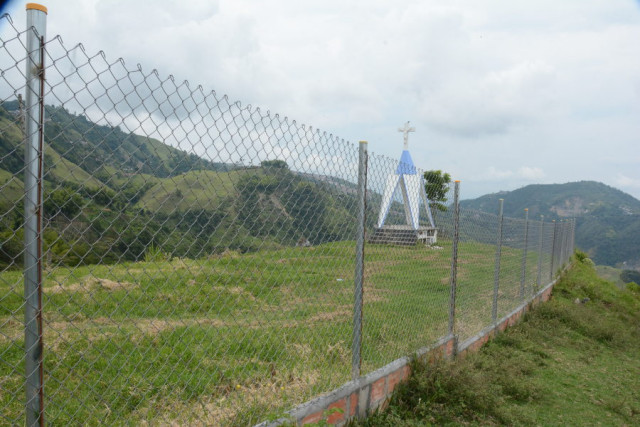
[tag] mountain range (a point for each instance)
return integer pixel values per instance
(607, 219)
(112, 196)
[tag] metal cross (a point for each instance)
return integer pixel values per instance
(406, 129)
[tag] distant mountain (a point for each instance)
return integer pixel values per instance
(608, 220)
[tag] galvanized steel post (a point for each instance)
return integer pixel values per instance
(563, 242)
(496, 273)
(524, 253)
(569, 231)
(553, 249)
(33, 159)
(568, 256)
(454, 258)
(540, 241)
(359, 273)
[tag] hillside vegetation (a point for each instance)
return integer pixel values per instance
(111, 196)
(264, 330)
(573, 361)
(608, 220)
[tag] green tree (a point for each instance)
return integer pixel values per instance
(437, 187)
(629, 276)
(63, 200)
(276, 164)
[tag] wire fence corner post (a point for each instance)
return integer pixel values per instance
(496, 272)
(563, 242)
(454, 258)
(573, 236)
(553, 249)
(540, 243)
(34, 158)
(524, 253)
(359, 269)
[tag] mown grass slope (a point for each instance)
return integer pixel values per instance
(226, 339)
(574, 361)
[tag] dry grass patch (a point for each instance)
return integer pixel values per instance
(88, 284)
(229, 405)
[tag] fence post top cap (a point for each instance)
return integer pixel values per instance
(526, 209)
(364, 142)
(457, 180)
(36, 6)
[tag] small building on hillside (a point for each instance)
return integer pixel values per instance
(411, 186)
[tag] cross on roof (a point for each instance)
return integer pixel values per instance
(406, 129)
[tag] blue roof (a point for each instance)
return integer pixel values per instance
(406, 167)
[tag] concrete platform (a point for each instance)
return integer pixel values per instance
(404, 235)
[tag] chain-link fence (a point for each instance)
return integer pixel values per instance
(169, 256)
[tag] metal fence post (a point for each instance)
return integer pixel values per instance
(496, 273)
(568, 245)
(570, 239)
(454, 258)
(553, 249)
(560, 248)
(573, 236)
(563, 244)
(524, 253)
(359, 272)
(33, 158)
(540, 242)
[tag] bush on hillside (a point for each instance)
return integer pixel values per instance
(628, 276)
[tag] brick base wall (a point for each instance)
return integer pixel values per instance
(373, 391)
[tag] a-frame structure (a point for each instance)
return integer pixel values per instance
(411, 184)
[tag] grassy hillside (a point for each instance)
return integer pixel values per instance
(263, 331)
(568, 363)
(610, 274)
(111, 196)
(608, 220)
(198, 189)
(91, 146)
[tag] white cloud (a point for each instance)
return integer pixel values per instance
(625, 181)
(491, 103)
(531, 173)
(497, 174)
(488, 82)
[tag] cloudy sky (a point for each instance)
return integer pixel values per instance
(502, 93)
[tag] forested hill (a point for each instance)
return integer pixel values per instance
(93, 147)
(608, 220)
(112, 196)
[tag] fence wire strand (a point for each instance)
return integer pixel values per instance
(199, 254)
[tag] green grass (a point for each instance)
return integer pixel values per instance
(191, 190)
(611, 274)
(232, 338)
(12, 190)
(566, 364)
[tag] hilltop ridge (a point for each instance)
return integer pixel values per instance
(607, 219)
(112, 196)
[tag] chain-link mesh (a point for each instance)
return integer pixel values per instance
(509, 295)
(406, 287)
(12, 356)
(199, 255)
(476, 256)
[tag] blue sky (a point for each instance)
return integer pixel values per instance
(502, 94)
